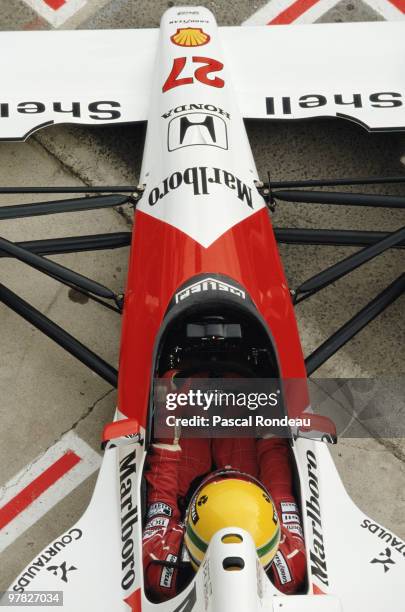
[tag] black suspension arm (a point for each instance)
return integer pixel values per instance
(379, 180)
(343, 267)
(51, 268)
(83, 189)
(75, 244)
(339, 198)
(331, 237)
(355, 325)
(60, 206)
(59, 335)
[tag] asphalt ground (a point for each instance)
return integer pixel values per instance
(44, 393)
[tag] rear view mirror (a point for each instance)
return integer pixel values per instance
(119, 431)
(321, 429)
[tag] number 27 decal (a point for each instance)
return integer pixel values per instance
(201, 74)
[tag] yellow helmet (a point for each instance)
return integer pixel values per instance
(232, 499)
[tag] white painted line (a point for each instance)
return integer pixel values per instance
(317, 11)
(89, 462)
(56, 16)
(274, 8)
(268, 12)
(386, 9)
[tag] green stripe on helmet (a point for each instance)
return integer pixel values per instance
(266, 548)
(196, 540)
(196, 562)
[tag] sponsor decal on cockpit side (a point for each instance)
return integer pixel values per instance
(384, 558)
(319, 567)
(129, 517)
(45, 557)
(385, 535)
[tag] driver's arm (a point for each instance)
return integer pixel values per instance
(289, 566)
(163, 534)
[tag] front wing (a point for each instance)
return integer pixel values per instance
(351, 70)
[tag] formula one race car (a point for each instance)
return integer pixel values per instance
(205, 287)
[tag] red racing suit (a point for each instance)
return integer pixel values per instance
(170, 472)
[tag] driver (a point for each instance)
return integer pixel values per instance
(174, 472)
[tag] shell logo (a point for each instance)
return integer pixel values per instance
(190, 37)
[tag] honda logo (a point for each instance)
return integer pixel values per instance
(197, 129)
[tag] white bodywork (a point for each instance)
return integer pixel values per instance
(208, 175)
(341, 542)
(354, 564)
(355, 70)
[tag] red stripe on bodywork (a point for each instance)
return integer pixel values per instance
(295, 10)
(55, 4)
(38, 486)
